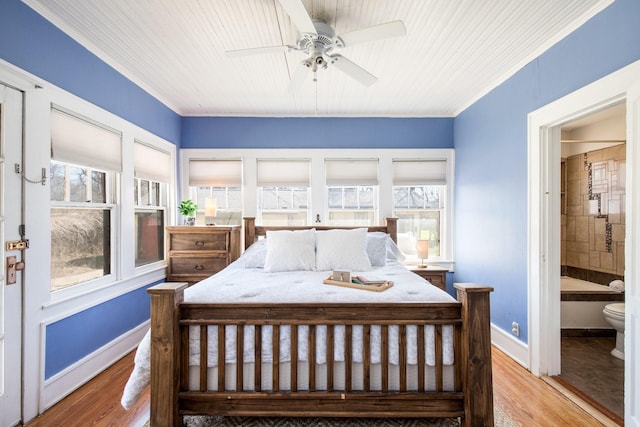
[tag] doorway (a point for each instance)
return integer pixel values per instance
(11, 285)
(544, 225)
(592, 239)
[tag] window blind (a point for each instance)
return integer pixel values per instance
(419, 172)
(343, 172)
(151, 163)
(283, 173)
(83, 143)
(215, 173)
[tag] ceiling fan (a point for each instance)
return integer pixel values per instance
(319, 42)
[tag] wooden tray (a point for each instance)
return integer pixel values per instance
(376, 287)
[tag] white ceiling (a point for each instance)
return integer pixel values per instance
(455, 51)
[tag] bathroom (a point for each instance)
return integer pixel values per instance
(593, 258)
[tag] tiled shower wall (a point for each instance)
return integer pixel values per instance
(593, 217)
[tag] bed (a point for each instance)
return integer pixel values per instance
(266, 336)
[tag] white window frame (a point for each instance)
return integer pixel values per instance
(124, 276)
(318, 201)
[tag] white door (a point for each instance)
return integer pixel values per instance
(10, 220)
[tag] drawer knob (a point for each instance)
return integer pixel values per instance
(199, 267)
(199, 243)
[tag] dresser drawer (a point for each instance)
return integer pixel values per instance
(199, 242)
(194, 265)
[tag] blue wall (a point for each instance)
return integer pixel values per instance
(70, 339)
(32, 43)
(369, 132)
(490, 139)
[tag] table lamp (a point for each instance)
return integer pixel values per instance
(422, 248)
(210, 210)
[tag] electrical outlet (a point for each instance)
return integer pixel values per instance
(515, 329)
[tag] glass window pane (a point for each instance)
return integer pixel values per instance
(78, 184)
(335, 197)
(432, 196)
(300, 198)
(400, 197)
(149, 237)
(144, 192)
(414, 225)
(80, 246)
(201, 195)
(57, 180)
(284, 218)
(154, 194)
(98, 187)
(366, 198)
(234, 198)
(416, 197)
(350, 197)
(269, 198)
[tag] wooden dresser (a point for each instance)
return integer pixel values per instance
(437, 276)
(196, 252)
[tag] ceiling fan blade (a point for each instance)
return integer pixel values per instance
(373, 33)
(256, 51)
(299, 15)
(297, 79)
(353, 70)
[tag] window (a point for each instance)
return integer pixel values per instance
(419, 193)
(283, 191)
(220, 180)
(352, 192)
(152, 169)
(86, 161)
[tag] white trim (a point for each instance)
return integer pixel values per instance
(508, 344)
(61, 309)
(63, 383)
(543, 277)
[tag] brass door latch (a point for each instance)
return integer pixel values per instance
(13, 266)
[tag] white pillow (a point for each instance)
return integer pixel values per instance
(290, 250)
(342, 250)
(377, 248)
(255, 254)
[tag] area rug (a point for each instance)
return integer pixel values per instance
(500, 420)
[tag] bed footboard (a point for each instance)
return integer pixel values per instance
(471, 396)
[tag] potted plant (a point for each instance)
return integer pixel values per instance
(188, 209)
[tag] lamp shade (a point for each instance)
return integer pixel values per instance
(210, 206)
(422, 249)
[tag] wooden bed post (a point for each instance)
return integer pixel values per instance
(249, 224)
(392, 228)
(476, 354)
(165, 356)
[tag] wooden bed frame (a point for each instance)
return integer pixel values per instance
(471, 399)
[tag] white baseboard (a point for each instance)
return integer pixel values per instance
(65, 382)
(508, 344)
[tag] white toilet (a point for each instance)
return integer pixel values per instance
(614, 313)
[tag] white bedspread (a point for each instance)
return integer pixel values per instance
(238, 284)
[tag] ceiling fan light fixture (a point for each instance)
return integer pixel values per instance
(318, 40)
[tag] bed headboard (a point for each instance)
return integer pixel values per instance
(252, 231)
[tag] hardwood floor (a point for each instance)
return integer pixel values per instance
(526, 400)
